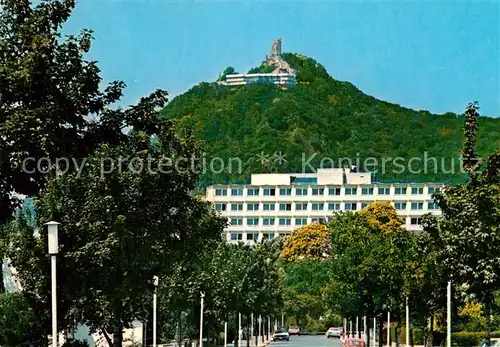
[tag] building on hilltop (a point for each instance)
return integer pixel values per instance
(282, 74)
(276, 204)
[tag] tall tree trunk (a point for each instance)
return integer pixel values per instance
(106, 336)
(179, 329)
(237, 329)
(487, 311)
(118, 335)
(431, 331)
(397, 332)
(380, 331)
(368, 333)
(248, 331)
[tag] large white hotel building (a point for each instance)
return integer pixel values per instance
(276, 204)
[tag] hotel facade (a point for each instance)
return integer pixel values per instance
(276, 204)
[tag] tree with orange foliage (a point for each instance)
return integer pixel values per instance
(308, 242)
(381, 216)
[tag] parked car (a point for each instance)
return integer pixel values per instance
(354, 343)
(281, 334)
(494, 342)
(333, 332)
(294, 331)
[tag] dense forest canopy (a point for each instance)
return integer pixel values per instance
(321, 118)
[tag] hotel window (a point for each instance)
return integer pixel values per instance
(317, 220)
(249, 236)
(236, 221)
(221, 192)
(301, 191)
(366, 191)
(253, 191)
(285, 221)
(252, 221)
(271, 236)
(318, 191)
(433, 190)
(237, 192)
(252, 207)
(301, 206)
(236, 207)
(285, 206)
(384, 191)
(301, 221)
(416, 221)
(317, 206)
(269, 191)
(432, 205)
(269, 207)
(417, 205)
(364, 204)
(334, 206)
(265, 236)
(350, 191)
(333, 191)
(400, 205)
(400, 190)
(268, 221)
(220, 207)
(234, 236)
(417, 190)
(285, 191)
(351, 206)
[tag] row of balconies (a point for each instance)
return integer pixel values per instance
(317, 207)
(286, 193)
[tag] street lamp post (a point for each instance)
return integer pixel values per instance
(225, 334)
(155, 283)
(357, 327)
(364, 327)
(53, 250)
(448, 315)
(251, 329)
(388, 329)
(239, 329)
(407, 323)
(260, 328)
(201, 319)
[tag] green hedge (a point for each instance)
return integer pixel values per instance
(466, 339)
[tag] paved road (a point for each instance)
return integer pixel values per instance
(308, 341)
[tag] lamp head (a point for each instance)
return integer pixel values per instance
(155, 281)
(52, 229)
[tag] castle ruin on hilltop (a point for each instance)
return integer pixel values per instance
(282, 74)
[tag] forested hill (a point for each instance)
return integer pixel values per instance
(321, 115)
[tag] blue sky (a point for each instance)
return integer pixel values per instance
(435, 55)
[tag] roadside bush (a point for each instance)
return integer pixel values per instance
(466, 339)
(418, 336)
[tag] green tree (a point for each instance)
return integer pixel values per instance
(468, 228)
(51, 103)
(369, 257)
(121, 224)
(18, 323)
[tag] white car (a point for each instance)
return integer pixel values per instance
(333, 332)
(494, 342)
(281, 334)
